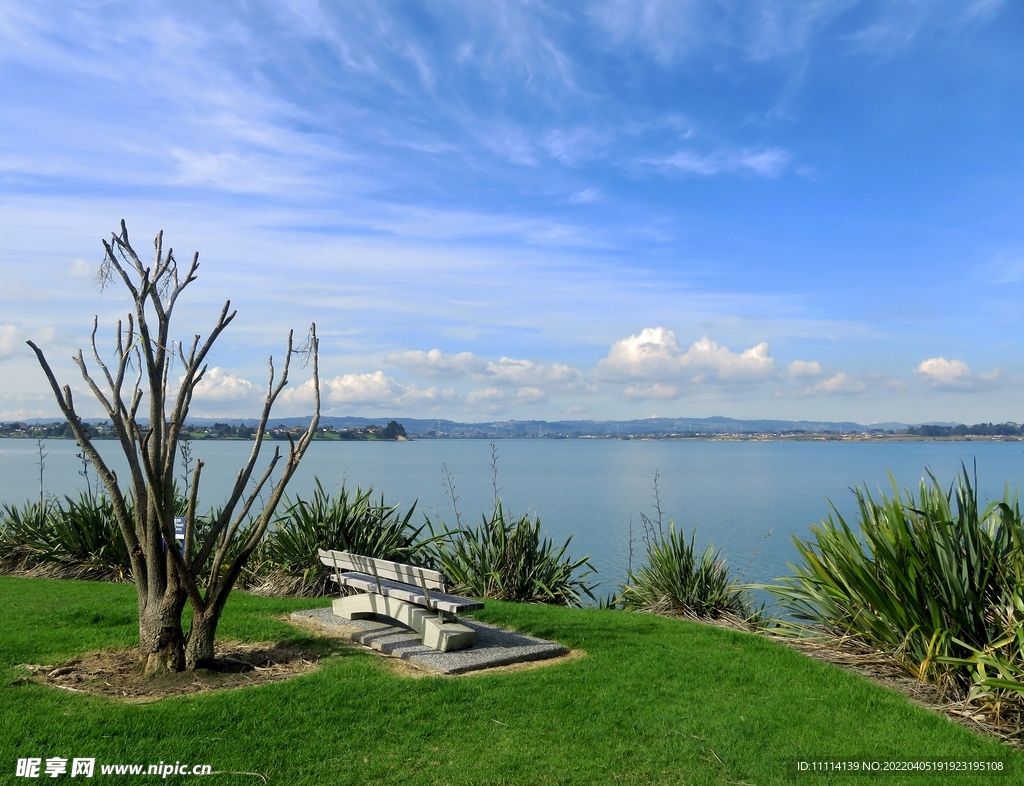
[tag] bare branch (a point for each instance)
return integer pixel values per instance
(190, 514)
(295, 454)
(67, 407)
(229, 534)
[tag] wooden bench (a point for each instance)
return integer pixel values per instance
(414, 597)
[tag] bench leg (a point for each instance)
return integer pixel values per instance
(435, 633)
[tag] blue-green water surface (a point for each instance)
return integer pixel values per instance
(734, 493)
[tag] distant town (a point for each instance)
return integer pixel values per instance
(393, 431)
(718, 428)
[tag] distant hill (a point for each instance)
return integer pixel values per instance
(655, 427)
(441, 428)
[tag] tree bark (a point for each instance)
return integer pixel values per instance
(161, 641)
(199, 645)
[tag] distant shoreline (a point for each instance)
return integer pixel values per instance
(725, 437)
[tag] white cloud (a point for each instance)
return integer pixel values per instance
(368, 389)
(218, 385)
(528, 395)
(770, 162)
(945, 373)
(230, 171)
(654, 355)
(372, 388)
(571, 146)
(493, 399)
(840, 384)
(983, 8)
(956, 375)
(513, 371)
(437, 363)
(804, 368)
(666, 29)
(897, 386)
(504, 372)
(1006, 270)
(671, 30)
(11, 341)
(487, 396)
(653, 390)
(82, 269)
(584, 196)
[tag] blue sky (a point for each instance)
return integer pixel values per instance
(498, 210)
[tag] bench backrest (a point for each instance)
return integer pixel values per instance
(382, 568)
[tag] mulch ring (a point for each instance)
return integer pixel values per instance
(115, 674)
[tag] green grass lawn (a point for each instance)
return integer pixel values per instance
(653, 701)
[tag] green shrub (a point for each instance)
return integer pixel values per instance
(349, 521)
(936, 585)
(507, 559)
(76, 538)
(675, 581)
(24, 536)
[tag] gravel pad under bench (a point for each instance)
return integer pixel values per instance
(493, 646)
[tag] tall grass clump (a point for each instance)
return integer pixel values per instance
(932, 578)
(348, 521)
(674, 580)
(505, 558)
(73, 538)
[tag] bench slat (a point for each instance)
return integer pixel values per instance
(395, 571)
(440, 601)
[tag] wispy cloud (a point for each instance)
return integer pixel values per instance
(522, 184)
(770, 162)
(1005, 269)
(584, 196)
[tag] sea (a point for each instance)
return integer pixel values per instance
(748, 498)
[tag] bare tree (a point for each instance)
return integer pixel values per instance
(199, 572)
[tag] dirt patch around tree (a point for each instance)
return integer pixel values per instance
(115, 674)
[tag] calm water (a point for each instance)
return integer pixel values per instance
(734, 493)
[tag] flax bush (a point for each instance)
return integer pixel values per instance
(348, 521)
(674, 580)
(505, 558)
(69, 538)
(931, 578)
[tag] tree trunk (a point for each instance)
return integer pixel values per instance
(161, 642)
(199, 645)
